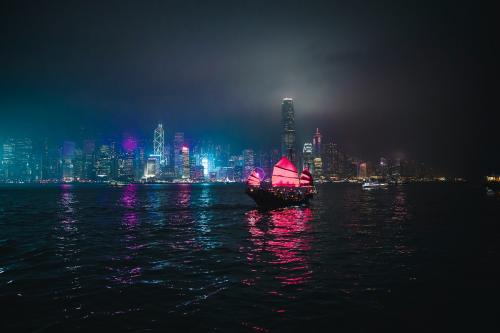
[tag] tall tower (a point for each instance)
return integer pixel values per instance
(185, 163)
(288, 139)
(178, 159)
(317, 143)
(307, 156)
(159, 143)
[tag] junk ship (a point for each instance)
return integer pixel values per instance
(286, 188)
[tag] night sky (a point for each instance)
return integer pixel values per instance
(414, 79)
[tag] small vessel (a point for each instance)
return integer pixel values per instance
(369, 185)
(117, 183)
(285, 189)
(490, 192)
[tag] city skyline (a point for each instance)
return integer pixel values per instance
(419, 85)
(175, 157)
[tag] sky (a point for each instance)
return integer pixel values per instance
(412, 79)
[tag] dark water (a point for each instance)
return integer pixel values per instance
(420, 257)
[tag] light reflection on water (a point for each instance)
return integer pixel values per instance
(128, 202)
(67, 236)
(128, 271)
(280, 238)
(193, 253)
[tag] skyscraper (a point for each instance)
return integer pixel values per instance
(104, 162)
(178, 161)
(248, 162)
(89, 159)
(288, 138)
(8, 159)
(329, 159)
(317, 143)
(68, 154)
(185, 162)
(318, 161)
(24, 155)
(362, 170)
(307, 156)
(159, 143)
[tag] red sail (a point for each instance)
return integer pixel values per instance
(285, 174)
(254, 179)
(306, 178)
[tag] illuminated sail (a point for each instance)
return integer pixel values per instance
(285, 174)
(254, 179)
(306, 178)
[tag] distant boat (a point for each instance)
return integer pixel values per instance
(286, 187)
(369, 185)
(490, 192)
(227, 180)
(117, 183)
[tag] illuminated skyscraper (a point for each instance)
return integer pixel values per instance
(8, 159)
(152, 169)
(104, 162)
(288, 138)
(362, 170)
(178, 162)
(318, 167)
(329, 160)
(317, 143)
(89, 159)
(18, 160)
(159, 143)
(185, 163)
(318, 161)
(68, 154)
(307, 156)
(248, 162)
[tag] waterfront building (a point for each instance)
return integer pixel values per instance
(68, 151)
(89, 155)
(126, 166)
(152, 169)
(8, 160)
(197, 173)
(17, 160)
(78, 164)
(288, 137)
(159, 144)
(178, 159)
(307, 157)
(362, 170)
(382, 169)
(139, 161)
(23, 160)
(185, 162)
(248, 162)
(318, 167)
(104, 162)
(329, 160)
(317, 143)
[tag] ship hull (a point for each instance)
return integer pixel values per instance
(276, 197)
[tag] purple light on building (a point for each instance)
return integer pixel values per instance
(129, 144)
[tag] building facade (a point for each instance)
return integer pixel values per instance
(288, 137)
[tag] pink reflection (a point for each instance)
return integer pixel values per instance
(129, 273)
(399, 207)
(281, 233)
(129, 201)
(184, 195)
